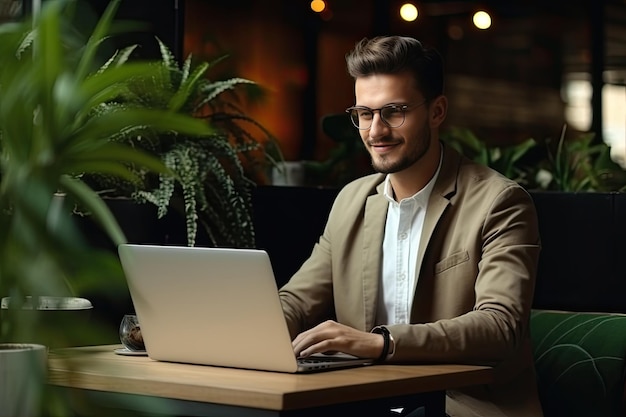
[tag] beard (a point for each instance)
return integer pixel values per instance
(386, 164)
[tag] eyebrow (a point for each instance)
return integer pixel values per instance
(393, 103)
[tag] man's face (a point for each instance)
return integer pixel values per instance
(394, 149)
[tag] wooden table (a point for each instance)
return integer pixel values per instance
(100, 375)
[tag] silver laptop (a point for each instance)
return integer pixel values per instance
(214, 306)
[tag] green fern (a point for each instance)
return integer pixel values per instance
(210, 185)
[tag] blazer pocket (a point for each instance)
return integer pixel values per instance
(451, 261)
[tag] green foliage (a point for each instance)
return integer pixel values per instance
(582, 165)
(609, 175)
(574, 165)
(51, 131)
(507, 160)
(209, 182)
(571, 164)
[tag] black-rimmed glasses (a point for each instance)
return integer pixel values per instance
(393, 115)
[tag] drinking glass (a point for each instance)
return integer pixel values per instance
(130, 333)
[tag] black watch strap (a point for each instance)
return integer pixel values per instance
(382, 330)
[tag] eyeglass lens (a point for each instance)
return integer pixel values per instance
(392, 116)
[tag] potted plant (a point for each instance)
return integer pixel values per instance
(580, 165)
(580, 218)
(579, 195)
(213, 175)
(51, 131)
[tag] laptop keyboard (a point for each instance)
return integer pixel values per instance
(322, 359)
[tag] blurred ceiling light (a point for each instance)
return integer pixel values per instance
(408, 12)
(318, 6)
(482, 20)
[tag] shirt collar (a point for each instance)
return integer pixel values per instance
(422, 196)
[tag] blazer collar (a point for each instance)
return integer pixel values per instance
(446, 184)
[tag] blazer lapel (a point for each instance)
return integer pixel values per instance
(444, 188)
(374, 229)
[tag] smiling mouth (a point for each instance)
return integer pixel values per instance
(383, 146)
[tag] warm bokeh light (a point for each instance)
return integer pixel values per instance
(318, 6)
(482, 20)
(408, 12)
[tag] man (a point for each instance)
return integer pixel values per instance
(432, 259)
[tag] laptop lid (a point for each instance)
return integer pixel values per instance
(212, 306)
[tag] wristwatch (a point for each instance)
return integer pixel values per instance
(388, 342)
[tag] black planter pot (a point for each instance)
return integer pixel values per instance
(580, 265)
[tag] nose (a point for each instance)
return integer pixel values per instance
(378, 128)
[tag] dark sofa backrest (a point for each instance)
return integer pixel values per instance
(581, 265)
(288, 221)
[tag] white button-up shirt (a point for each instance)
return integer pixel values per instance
(403, 230)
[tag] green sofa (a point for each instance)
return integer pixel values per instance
(580, 362)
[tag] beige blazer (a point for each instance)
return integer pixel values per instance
(477, 264)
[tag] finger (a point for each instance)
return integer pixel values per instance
(321, 347)
(313, 335)
(318, 339)
(308, 344)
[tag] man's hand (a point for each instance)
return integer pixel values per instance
(331, 336)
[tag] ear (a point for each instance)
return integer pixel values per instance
(438, 111)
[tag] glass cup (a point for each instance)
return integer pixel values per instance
(130, 333)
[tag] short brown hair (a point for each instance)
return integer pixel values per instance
(395, 54)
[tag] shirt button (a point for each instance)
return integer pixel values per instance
(403, 236)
